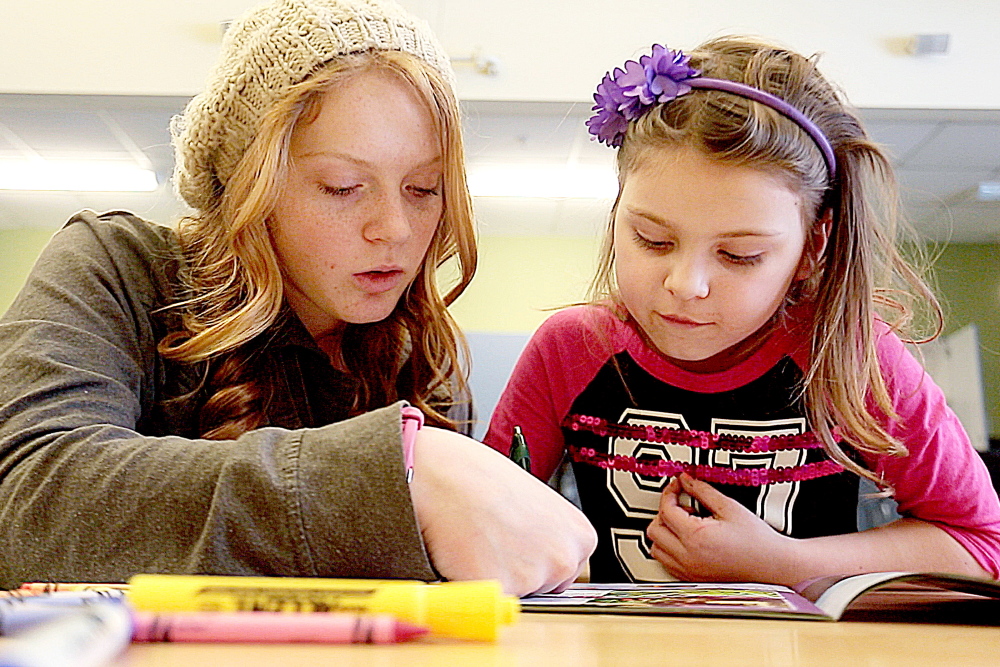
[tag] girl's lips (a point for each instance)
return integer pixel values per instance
(378, 281)
(683, 321)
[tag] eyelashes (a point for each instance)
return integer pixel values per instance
(742, 260)
(732, 258)
(335, 191)
(338, 191)
(647, 244)
(425, 192)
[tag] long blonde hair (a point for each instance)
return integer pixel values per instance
(861, 275)
(234, 278)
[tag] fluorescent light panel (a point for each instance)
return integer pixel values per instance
(558, 181)
(988, 191)
(75, 175)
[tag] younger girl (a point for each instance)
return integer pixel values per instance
(733, 378)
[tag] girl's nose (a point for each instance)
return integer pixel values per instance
(388, 221)
(687, 279)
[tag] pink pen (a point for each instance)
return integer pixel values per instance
(271, 627)
(413, 420)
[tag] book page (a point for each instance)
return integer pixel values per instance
(679, 598)
(897, 592)
(835, 599)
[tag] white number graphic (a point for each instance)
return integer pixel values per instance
(632, 553)
(774, 501)
(639, 497)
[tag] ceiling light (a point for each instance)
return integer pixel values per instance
(988, 191)
(928, 44)
(75, 175)
(481, 64)
(550, 181)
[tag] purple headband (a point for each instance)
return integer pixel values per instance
(624, 95)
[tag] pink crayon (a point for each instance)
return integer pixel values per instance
(54, 586)
(271, 627)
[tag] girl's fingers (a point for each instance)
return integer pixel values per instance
(667, 560)
(670, 496)
(710, 497)
(673, 520)
(661, 531)
(665, 547)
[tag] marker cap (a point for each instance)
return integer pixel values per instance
(470, 609)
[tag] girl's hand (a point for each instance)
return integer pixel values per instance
(733, 544)
(483, 517)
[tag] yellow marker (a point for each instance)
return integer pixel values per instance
(462, 609)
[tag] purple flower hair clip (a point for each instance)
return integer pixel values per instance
(664, 75)
(627, 93)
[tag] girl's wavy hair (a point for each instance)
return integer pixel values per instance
(234, 278)
(862, 273)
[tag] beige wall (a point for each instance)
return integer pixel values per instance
(968, 277)
(520, 278)
(20, 249)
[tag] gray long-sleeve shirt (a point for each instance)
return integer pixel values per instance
(100, 475)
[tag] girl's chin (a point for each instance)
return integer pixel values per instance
(375, 309)
(691, 354)
(693, 351)
(692, 357)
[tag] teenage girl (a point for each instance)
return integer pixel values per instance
(740, 366)
(239, 394)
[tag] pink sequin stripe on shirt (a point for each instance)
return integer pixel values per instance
(703, 440)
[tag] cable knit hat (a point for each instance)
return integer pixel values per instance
(274, 46)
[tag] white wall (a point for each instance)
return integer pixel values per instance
(548, 49)
(954, 363)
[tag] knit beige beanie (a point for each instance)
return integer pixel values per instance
(274, 46)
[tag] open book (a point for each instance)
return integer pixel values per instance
(878, 596)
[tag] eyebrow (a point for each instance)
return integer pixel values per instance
(738, 233)
(358, 161)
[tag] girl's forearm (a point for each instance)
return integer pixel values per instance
(905, 545)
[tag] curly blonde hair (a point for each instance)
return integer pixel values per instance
(234, 277)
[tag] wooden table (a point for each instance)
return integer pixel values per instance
(546, 640)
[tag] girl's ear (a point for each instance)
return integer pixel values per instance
(812, 254)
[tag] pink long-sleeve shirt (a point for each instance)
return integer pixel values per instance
(586, 366)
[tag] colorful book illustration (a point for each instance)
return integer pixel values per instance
(878, 596)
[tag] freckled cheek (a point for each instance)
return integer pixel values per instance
(333, 239)
(312, 250)
(423, 232)
(427, 226)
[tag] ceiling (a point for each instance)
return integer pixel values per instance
(941, 157)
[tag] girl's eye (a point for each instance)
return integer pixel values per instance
(649, 244)
(741, 260)
(424, 192)
(339, 191)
